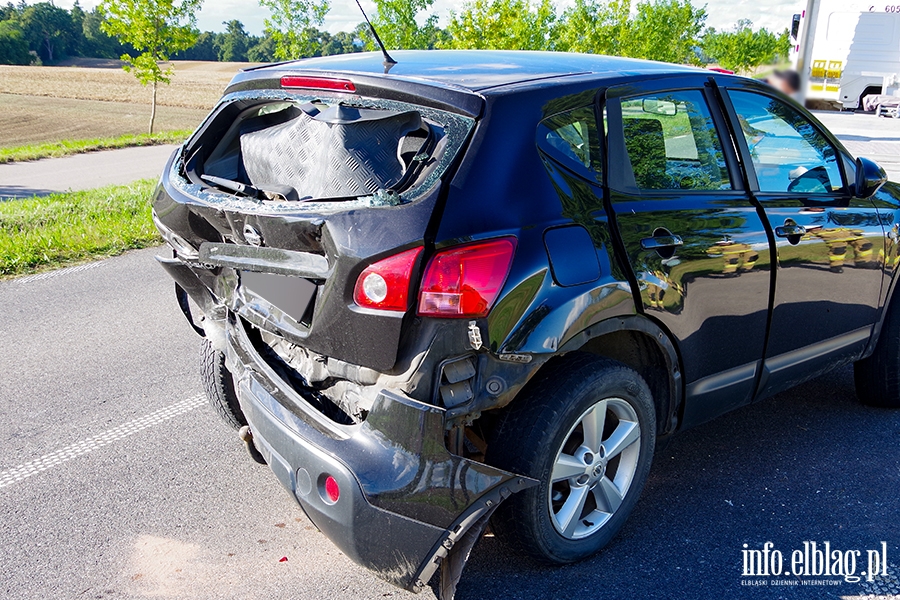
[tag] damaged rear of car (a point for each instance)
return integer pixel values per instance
(300, 216)
(414, 304)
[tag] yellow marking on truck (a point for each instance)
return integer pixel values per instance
(818, 69)
(834, 69)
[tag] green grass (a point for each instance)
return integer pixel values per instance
(68, 147)
(41, 233)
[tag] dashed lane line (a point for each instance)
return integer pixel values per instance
(56, 273)
(48, 461)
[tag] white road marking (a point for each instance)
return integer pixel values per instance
(57, 273)
(16, 474)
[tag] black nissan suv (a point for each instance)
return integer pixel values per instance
(478, 288)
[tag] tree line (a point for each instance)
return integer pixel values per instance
(666, 30)
(46, 34)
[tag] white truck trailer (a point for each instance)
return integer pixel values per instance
(846, 49)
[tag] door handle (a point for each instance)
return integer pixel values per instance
(661, 242)
(790, 231)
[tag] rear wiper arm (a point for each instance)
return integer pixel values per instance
(244, 189)
(274, 192)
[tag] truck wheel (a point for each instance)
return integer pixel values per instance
(219, 386)
(585, 429)
(877, 377)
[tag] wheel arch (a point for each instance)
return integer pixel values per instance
(891, 300)
(890, 297)
(642, 345)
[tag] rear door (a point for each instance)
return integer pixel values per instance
(695, 242)
(829, 243)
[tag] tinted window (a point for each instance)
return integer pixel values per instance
(571, 137)
(672, 142)
(788, 153)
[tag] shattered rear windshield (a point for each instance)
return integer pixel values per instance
(290, 152)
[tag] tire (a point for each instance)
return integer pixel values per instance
(545, 423)
(219, 386)
(877, 377)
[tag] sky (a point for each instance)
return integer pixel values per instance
(775, 15)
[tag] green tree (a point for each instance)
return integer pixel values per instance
(741, 48)
(665, 30)
(262, 50)
(783, 46)
(232, 45)
(503, 25)
(205, 48)
(594, 27)
(292, 26)
(9, 12)
(49, 31)
(397, 24)
(342, 42)
(156, 29)
(77, 16)
(13, 47)
(95, 41)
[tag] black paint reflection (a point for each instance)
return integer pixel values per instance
(713, 291)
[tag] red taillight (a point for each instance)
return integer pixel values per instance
(317, 83)
(385, 284)
(332, 490)
(464, 281)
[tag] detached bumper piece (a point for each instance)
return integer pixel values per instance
(386, 492)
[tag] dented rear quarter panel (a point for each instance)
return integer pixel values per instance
(505, 186)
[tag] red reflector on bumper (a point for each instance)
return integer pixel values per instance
(332, 489)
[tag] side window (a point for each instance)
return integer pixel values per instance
(672, 142)
(571, 138)
(788, 153)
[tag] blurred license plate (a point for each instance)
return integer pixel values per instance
(291, 295)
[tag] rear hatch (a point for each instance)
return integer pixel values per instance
(287, 193)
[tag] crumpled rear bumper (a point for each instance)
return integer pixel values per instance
(404, 499)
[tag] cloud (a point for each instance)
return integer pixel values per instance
(774, 15)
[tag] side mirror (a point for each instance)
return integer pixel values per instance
(869, 178)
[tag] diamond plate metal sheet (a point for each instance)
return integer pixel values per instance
(329, 158)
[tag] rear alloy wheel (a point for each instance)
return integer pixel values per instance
(594, 470)
(585, 430)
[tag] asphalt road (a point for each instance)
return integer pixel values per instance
(82, 171)
(118, 482)
(877, 138)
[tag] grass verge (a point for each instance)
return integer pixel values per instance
(69, 147)
(42, 233)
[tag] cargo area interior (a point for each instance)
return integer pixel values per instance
(314, 150)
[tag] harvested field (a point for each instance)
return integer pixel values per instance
(34, 120)
(194, 85)
(49, 104)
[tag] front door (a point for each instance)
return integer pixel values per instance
(695, 242)
(829, 243)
